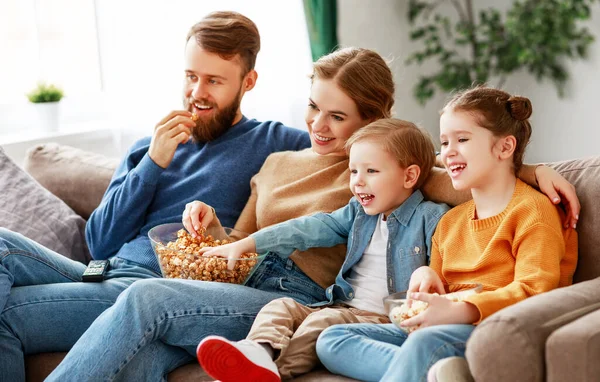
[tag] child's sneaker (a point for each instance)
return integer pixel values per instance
(236, 361)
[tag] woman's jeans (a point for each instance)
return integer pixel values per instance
(156, 325)
(44, 305)
(371, 352)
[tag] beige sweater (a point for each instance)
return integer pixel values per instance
(292, 184)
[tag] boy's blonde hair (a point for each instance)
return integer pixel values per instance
(403, 140)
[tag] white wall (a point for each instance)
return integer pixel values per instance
(142, 46)
(563, 128)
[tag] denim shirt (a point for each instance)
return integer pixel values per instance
(411, 227)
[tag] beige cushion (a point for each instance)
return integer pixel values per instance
(573, 351)
(78, 177)
(509, 345)
(29, 209)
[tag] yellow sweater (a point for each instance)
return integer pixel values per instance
(519, 253)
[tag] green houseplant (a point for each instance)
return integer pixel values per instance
(45, 93)
(535, 35)
(46, 98)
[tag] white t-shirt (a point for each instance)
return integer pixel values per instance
(368, 276)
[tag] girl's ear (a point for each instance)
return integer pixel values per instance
(411, 176)
(506, 146)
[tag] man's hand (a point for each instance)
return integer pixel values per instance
(196, 215)
(423, 279)
(441, 311)
(231, 251)
(168, 134)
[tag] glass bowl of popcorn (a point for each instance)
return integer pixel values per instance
(178, 256)
(397, 307)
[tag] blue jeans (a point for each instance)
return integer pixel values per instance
(45, 306)
(370, 352)
(156, 325)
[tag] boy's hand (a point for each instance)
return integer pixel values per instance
(441, 311)
(172, 130)
(197, 214)
(231, 251)
(424, 279)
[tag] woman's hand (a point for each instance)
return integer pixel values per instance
(441, 311)
(553, 185)
(232, 251)
(423, 279)
(197, 215)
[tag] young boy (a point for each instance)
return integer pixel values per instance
(388, 229)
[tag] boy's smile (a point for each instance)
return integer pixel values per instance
(376, 178)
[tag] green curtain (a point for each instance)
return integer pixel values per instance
(321, 20)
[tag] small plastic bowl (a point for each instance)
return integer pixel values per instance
(177, 260)
(398, 311)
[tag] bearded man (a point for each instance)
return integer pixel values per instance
(211, 159)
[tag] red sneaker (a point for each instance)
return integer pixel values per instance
(242, 361)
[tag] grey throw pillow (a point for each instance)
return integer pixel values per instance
(29, 209)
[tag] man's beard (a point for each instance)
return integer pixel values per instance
(218, 124)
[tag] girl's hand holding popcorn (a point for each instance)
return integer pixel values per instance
(441, 311)
(196, 216)
(232, 251)
(423, 279)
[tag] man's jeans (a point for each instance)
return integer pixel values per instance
(156, 325)
(45, 307)
(385, 353)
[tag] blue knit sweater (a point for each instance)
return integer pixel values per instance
(142, 195)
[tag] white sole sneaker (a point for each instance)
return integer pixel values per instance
(222, 360)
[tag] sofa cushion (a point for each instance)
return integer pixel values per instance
(584, 174)
(509, 345)
(573, 351)
(28, 208)
(78, 177)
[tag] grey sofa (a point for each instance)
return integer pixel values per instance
(505, 347)
(79, 178)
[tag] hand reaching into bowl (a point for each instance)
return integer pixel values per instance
(197, 215)
(232, 251)
(424, 279)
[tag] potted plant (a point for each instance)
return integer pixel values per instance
(46, 98)
(537, 36)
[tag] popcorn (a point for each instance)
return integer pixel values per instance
(402, 312)
(181, 260)
(195, 117)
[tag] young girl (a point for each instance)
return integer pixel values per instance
(388, 226)
(509, 238)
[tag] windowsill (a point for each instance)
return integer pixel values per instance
(66, 130)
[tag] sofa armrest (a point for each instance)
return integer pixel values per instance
(78, 177)
(509, 345)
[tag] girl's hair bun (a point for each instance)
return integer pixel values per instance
(519, 107)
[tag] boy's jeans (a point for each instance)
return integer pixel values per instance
(156, 325)
(45, 307)
(385, 353)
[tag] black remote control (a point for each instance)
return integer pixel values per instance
(95, 271)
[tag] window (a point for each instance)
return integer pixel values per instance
(122, 61)
(53, 41)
